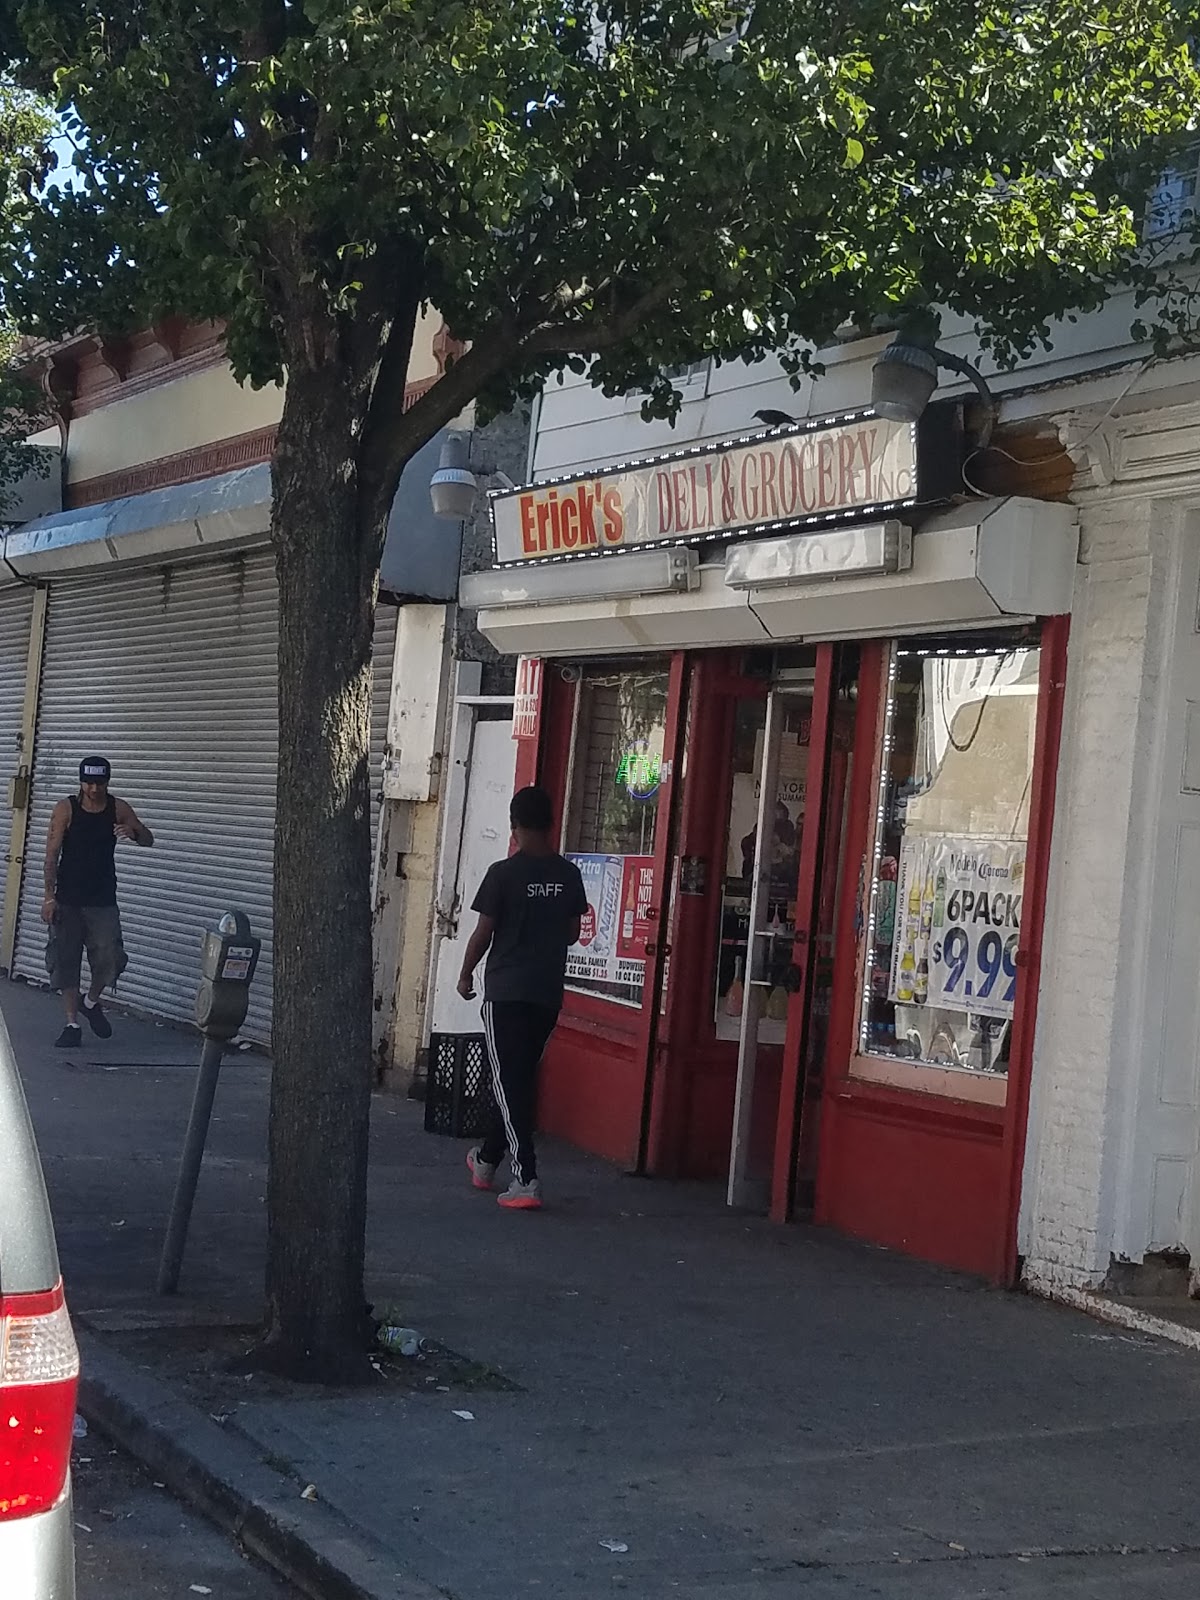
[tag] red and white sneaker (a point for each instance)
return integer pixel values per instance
(483, 1173)
(521, 1196)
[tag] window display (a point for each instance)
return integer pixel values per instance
(944, 919)
(612, 810)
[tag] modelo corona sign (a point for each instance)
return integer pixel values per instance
(838, 470)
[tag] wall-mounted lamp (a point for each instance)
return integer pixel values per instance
(454, 485)
(906, 374)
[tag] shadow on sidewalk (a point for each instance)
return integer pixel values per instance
(747, 1410)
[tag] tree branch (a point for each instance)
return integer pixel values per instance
(587, 338)
(393, 436)
(377, 478)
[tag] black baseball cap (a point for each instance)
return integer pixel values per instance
(94, 769)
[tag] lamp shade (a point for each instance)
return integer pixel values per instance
(902, 382)
(452, 487)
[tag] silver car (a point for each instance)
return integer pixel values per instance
(39, 1368)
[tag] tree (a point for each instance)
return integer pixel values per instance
(25, 129)
(609, 185)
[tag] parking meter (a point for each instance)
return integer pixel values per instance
(228, 959)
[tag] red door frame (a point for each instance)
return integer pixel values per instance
(658, 948)
(998, 1131)
(812, 841)
(843, 1005)
(686, 1051)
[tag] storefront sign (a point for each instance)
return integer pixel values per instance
(838, 469)
(612, 939)
(958, 924)
(528, 702)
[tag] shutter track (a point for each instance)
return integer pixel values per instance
(16, 615)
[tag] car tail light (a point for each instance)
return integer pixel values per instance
(39, 1376)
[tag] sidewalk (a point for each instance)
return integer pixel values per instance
(753, 1411)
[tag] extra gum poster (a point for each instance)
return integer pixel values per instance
(612, 939)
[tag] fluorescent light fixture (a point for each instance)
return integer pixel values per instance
(880, 547)
(617, 577)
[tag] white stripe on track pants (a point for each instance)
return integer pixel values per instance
(517, 1034)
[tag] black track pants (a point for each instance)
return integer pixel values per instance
(517, 1034)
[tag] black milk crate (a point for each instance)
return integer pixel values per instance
(459, 1095)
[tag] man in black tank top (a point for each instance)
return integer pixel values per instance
(81, 895)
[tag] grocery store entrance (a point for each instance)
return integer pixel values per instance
(737, 1052)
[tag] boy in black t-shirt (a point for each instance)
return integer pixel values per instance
(529, 908)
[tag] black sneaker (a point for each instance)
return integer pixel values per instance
(70, 1038)
(97, 1021)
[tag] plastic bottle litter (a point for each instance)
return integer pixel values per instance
(400, 1341)
(617, 1546)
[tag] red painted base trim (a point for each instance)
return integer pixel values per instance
(932, 1188)
(591, 1094)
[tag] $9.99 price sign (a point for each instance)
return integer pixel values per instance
(958, 923)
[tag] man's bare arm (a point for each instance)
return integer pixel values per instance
(477, 946)
(129, 827)
(60, 819)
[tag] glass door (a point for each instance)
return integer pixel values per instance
(794, 885)
(769, 937)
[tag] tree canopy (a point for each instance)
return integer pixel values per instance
(646, 181)
(25, 129)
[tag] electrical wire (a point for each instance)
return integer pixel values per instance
(1057, 455)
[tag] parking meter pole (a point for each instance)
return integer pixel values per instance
(189, 1165)
(229, 956)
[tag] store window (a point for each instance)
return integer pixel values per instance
(612, 813)
(948, 870)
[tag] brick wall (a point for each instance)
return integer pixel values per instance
(1081, 1103)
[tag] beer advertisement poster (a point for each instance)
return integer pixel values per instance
(958, 924)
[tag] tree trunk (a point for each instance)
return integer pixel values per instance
(327, 566)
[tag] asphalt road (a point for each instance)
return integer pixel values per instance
(135, 1541)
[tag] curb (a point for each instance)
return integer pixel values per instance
(1119, 1314)
(306, 1542)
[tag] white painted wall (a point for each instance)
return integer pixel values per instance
(406, 865)
(578, 429)
(1111, 1165)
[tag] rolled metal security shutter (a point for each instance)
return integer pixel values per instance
(171, 672)
(16, 613)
